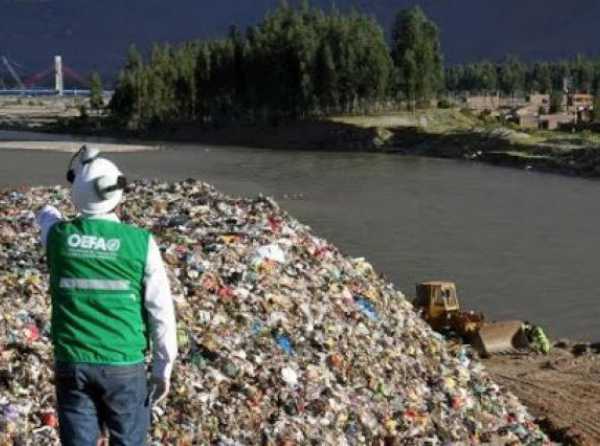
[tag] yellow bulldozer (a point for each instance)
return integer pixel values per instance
(439, 306)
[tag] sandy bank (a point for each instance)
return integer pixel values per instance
(560, 389)
(17, 140)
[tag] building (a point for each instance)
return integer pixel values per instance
(541, 101)
(483, 103)
(528, 121)
(526, 117)
(534, 111)
(512, 102)
(580, 101)
(554, 121)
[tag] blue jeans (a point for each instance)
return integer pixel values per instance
(91, 397)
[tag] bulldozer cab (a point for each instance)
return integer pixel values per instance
(438, 301)
(441, 309)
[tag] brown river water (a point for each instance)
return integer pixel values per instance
(518, 244)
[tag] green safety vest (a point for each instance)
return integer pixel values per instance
(96, 284)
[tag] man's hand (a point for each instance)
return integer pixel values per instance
(46, 217)
(46, 211)
(159, 388)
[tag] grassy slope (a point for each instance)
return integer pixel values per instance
(456, 134)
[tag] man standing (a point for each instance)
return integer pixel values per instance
(110, 297)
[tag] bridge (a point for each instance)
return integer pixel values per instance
(33, 85)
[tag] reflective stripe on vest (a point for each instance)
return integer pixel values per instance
(94, 284)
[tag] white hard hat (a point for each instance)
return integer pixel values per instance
(97, 183)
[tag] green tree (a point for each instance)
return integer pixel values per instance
(582, 72)
(454, 76)
(295, 63)
(326, 79)
(410, 73)
(96, 92)
(556, 101)
(512, 76)
(416, 52)
(596, 109)
(561, 75)
(489, 77)
(541, 78)
(127, 103)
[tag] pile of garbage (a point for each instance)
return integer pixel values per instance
(283, 340)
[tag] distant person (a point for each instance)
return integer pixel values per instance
(537, 338)
(110, 296)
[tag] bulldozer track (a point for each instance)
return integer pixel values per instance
(560, 387)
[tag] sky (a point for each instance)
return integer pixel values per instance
(93, 35)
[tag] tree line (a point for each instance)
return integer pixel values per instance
(306, 62)
(296, 63)
(512, 76)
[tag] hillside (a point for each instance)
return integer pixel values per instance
(95, 35)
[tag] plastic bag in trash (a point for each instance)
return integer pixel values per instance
(283, 340)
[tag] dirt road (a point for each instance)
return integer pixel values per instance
(562, 389)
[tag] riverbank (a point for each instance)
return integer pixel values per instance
(441, 133)
(560, 389)
(463, 135)
(17, 140)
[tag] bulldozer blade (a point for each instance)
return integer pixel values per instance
(499, 337)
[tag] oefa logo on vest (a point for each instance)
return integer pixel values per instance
(93, 243)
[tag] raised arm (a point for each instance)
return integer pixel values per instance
(46, 217)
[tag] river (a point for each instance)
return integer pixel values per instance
(518, 244)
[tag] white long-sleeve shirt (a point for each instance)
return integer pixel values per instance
(158, 300)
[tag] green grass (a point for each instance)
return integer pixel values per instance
(431, 120)
(455, 121)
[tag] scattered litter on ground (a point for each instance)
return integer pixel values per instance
(283, 340)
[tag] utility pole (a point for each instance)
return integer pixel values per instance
(59, 85)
